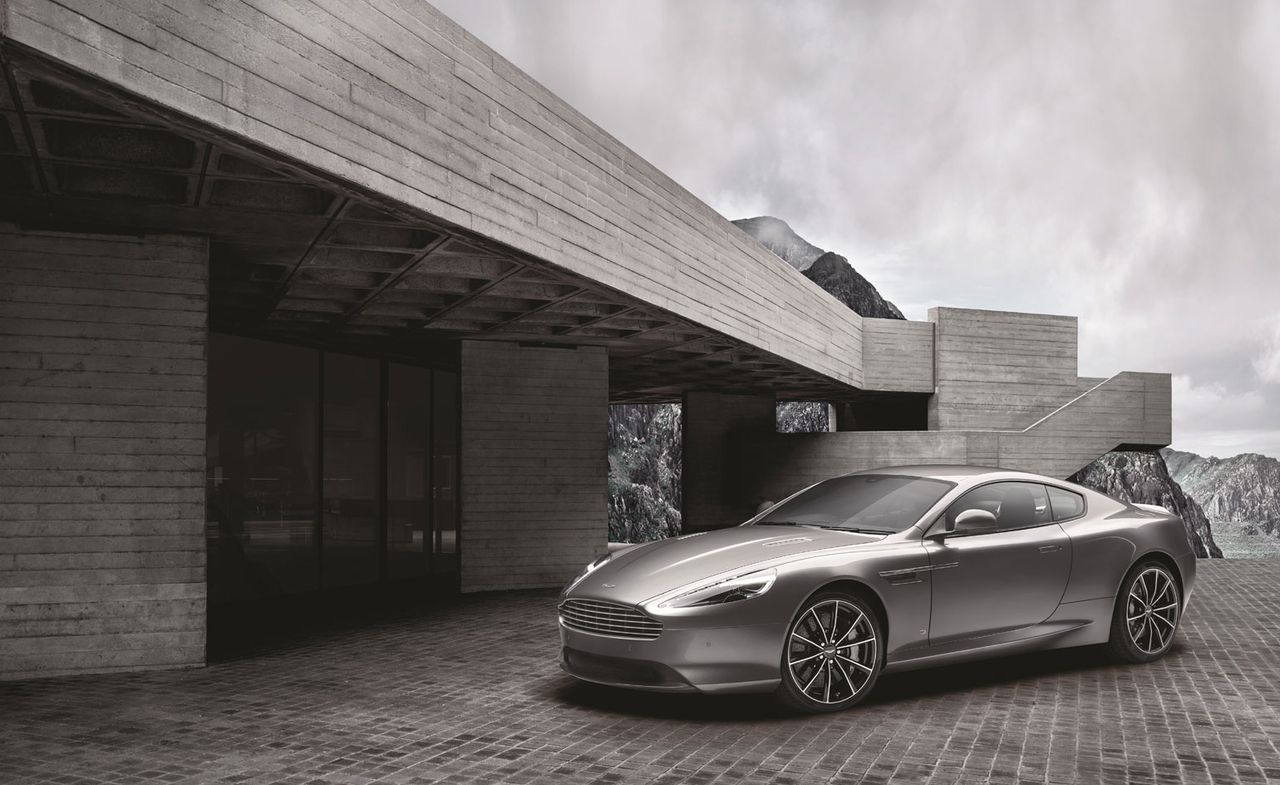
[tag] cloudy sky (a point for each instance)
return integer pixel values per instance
(1120, 162)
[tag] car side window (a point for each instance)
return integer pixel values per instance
(1066, 504)
(1016, 505)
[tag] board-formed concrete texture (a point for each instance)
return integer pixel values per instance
(397, 100)
(102, 428)
(368, 178)
(534, 421)
(1005, 393)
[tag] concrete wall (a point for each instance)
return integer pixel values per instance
(534, 463)
(998, 370)
(1007, 395)
(795, 461)
(102, 429)
(393, 97)
(1127, 410)
(718, 488)
(897, 355)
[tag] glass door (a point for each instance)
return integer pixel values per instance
(444, 471)
(262, 473)
(326, 470)
(350, 520)
(408, 470)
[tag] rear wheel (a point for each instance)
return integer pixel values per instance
(1147, 613)
(833, 653)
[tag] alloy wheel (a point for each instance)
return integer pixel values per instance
(1151, 613)
(832, 651)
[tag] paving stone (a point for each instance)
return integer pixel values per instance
(472, 693)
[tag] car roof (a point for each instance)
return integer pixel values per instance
(957, 473)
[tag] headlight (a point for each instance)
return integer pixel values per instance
(592, 567)
(741, 587)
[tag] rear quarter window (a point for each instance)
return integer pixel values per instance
(1066, 504)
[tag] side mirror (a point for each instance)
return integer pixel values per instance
(975, 521)
(764, 505)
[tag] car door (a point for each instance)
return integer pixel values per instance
(1000, 580)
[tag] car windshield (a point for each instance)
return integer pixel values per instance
(873, 503)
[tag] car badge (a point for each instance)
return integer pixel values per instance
(788, 541)
(608, 585)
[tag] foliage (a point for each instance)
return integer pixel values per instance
(644, 472)
(803, 417)
(644, 465)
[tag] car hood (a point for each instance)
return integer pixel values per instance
(645, 571)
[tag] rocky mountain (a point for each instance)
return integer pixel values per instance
(1177, 460)
(829, 270)
(778, 236)
(834, 273)
(1241, 494)
(1144, 478)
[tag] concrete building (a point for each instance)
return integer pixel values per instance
(302, 297)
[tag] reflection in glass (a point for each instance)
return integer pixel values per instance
(351, 443)
(261, 453)
(326, 470)
(408, 427)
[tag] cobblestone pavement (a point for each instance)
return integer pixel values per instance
(472, 693)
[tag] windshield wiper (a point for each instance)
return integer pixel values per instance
(852, 529)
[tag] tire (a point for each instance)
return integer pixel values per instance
(1148, 609)
(819, 675)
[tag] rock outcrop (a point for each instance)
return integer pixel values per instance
(1243, 489)
(1142, 477)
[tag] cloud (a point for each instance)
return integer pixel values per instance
(1267, 363)
(1114, 161)
(1212, 419)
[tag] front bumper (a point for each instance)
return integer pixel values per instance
(710, 659)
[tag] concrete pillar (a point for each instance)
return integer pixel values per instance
(535, 463)
(720, 476)
(103, 345)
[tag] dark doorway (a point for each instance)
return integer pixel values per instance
(329, 476)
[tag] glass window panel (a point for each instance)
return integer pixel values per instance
(866, 502)
(444, 473)
(1016, 505)
(351, 467)
(1066, 504)
(261, 489)
(408, 472)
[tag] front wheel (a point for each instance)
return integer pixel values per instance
(833, 653)
(1146, 615)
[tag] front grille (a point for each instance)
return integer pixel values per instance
(609, 618)
(620, 670)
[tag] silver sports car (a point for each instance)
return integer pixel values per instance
(881, 571)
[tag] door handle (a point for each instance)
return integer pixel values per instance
(1050, 548)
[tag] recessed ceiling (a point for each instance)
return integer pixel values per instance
(295, 256)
